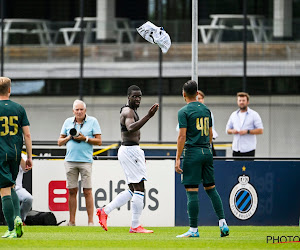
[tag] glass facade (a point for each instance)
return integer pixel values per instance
(24, 47)
(171, 86)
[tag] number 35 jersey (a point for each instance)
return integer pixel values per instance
(12, 118)
(196, 118)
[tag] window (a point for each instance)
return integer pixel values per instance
(29, 87)
(149, 86)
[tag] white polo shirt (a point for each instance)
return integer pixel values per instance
(247, 142)
(19, 180)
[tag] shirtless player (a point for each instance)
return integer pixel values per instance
(132, 160)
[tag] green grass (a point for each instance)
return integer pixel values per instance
(247, 237)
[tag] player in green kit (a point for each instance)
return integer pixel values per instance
(13, 124)
(194, 139)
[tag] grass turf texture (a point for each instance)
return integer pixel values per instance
(247, 237)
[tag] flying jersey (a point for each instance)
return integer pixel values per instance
(196, 118)
(12, 118)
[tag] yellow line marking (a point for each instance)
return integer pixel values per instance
(141, 145)
(105, 149)
(222, 145)
(158, 145)
(174, 145)
(25, 153)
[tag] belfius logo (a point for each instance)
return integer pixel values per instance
(58, 196)
(283, 239)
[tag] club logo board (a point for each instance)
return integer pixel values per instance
(243, 199)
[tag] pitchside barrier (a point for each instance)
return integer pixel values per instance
(260, 192)
(254, 192)
(50, 192)
(110, 148)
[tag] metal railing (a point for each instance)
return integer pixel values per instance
(217, 158)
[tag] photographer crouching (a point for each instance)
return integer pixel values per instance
(80, 133)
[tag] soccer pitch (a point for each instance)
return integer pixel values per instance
(247, 237)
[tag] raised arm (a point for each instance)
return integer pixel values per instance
(133, 125)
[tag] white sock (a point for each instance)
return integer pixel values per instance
(137, 208)
(194, 229)
(222, 222)
(121, 199)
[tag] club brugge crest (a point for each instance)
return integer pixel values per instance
(243, 199)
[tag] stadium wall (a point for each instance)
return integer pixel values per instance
(280, 115)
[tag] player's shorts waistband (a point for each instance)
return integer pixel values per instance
(197, 146)
(129, 143)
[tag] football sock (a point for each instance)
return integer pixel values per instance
(8, 211)
(193, 229)
(193, 208)
(216, 202)
(16, 202)
(222, 222)
(119, 201)
(137, 208)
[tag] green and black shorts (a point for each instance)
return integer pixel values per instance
(8, 172)
(197, 166)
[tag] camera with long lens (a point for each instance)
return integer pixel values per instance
(74, 133)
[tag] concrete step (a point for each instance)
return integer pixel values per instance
(149, 52)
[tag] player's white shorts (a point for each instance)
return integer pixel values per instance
(132, 160)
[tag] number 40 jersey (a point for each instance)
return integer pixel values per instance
(196, 117)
